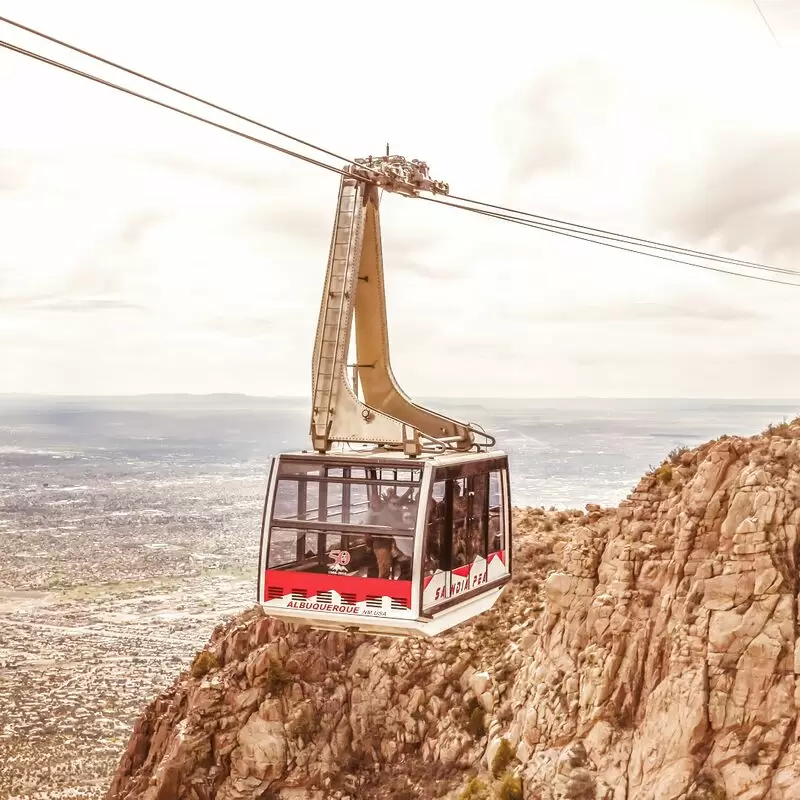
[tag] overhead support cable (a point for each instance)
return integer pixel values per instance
(550, 224)
(110, 84)
(603, 234)
(766, 22)
(575, 235)
(141, 75)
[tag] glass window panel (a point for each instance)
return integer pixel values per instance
(286, 499)
(460, 501)
(298, 469)
(477, 499)
(359, 503)
(495, 487)
(434, 529)
(282, 548)
(395, 507)
(309, 543)
(337, 554)
(312, 501)
(496, 517)
(334, 502)
(298, 499)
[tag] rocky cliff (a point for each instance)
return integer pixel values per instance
(645, 652)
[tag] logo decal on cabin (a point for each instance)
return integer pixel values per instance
(340, 557)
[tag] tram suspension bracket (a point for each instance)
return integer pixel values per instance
(398, 174)
(356, 308)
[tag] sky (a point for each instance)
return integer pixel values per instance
(141, 251)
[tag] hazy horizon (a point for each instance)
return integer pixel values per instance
(472, 398)
(561, 451)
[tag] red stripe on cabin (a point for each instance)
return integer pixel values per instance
(313, 583)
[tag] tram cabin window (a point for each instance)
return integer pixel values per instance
(435, 523)
(319, 511)
(465, 521)
(496, 515)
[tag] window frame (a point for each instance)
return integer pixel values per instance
(299, 470)
(448, 474)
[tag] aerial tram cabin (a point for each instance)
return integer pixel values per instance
(398, 521)
(383, 543)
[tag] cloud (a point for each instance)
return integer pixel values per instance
(419, 269)
(239, 327)
(543, 128)
(134, 229)
(15, 168)
(102, 276)
(742, 189)
(703, 155)
(697, 308)
(82, 263)
(184, 165)
(292, 219)
(68, 303)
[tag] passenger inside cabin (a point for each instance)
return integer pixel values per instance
(383, 549)
(403, 557)
(375, 511)
(495, 533)
(434, 531)
(460, 555)
(400, 510)
(397, 512)
(400, 514)
(432, 558)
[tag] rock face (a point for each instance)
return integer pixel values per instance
(649, 652)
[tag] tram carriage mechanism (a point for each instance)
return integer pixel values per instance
(398, 521)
